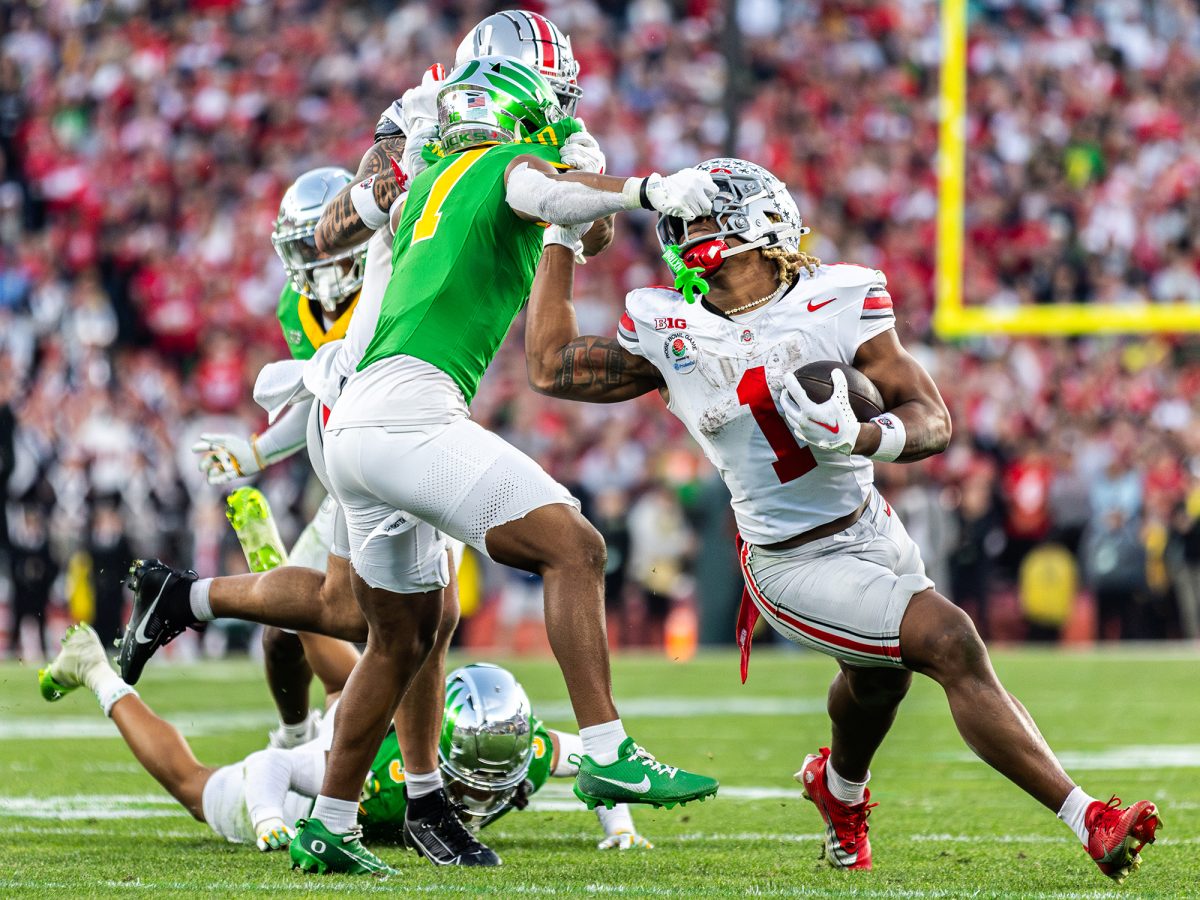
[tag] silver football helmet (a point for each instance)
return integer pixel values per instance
(330, 280)
(751, 204)
(487, 740)
(534, 40)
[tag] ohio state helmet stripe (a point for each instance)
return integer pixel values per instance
(547, 45)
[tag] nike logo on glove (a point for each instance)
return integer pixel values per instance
(813, 307)
(832, 429)
(640, 787)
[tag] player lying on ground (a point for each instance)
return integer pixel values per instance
(825, 557)
(494, 753)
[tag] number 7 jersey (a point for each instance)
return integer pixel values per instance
(724, 377)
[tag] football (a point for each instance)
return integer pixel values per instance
(865, 399)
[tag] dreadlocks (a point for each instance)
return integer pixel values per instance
(790, 262)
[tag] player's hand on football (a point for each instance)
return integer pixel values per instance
(687, 195)
(226, 457)
(581, 151)
(625, 840)
(831, 425)
(273, 834)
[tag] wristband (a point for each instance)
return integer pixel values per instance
(634, 193)
(892, 438)
(362, 195)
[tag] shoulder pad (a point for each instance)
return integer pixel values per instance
(389, 125)
(657, 300)
(849, 275)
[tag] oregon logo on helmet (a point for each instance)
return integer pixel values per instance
(493, 99)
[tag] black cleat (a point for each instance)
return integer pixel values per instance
(436, 832)
(162, 610)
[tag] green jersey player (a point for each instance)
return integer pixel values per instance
(409, 465)
(493, 752)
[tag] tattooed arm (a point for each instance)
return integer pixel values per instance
(341, 227)
(561, 362)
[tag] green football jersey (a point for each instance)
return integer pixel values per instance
(303, 325)
(381, 804)
(463, 262)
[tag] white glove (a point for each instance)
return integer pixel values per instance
(831, 425)
(687, 195)
(419, 119)
(418, 105)
(273, 834)
(580, 151)
(225, 457)
(569, 236)
(625, 840)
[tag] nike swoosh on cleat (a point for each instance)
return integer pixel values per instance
(140, 634)
(640, 787)
(832, 429)
(813, 307)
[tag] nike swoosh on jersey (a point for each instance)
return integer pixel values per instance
(832, 429)
(813, 307)
(640, 787)
(140, 634)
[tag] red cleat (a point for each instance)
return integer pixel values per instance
(1115, 835)
(846, 842)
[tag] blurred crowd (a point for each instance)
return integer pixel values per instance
(144, 146)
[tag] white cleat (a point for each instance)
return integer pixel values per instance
(81, 653)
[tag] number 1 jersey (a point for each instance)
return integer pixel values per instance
(724, 377)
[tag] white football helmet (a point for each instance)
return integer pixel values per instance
(330, 280)
(751, 204)
(534, 40)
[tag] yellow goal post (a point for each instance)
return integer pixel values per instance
(951, 317)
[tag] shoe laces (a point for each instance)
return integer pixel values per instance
(852, 819)
(646, 758)
(454, 832)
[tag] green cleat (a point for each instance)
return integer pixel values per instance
(80, 653)
(637, 777)
(316, 849)
(250, 515)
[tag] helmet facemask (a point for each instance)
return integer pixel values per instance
(751, 204)
(331, 280)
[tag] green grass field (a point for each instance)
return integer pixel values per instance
(78, 818)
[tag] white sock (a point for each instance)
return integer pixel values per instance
(198, 596)
(615, 820)
(338, 816)
(108, 687)
(601, 742)
(418, 784)
(297, 732)
(568, 745)
(1074, 809)
(849, 792)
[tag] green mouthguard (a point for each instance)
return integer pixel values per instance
(688, 281)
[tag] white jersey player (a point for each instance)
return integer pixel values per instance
(824, 557)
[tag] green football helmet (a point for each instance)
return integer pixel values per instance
(493, 100)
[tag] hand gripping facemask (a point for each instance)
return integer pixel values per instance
(751, 205)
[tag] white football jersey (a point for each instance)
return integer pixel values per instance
(724, 377)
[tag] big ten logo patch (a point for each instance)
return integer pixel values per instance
(664, 324)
